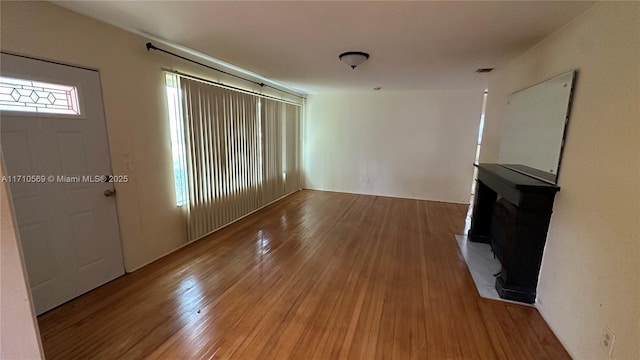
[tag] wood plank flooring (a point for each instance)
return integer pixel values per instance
(317, 275)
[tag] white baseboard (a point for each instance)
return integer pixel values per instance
(389, 196)
(540, 309)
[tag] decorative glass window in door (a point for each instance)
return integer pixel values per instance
(38, 97)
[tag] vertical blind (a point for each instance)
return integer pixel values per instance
(241, 152)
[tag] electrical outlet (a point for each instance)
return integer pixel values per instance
(607, 340)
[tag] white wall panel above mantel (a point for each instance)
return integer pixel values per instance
(412, 144)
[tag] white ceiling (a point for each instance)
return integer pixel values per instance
(413, 45)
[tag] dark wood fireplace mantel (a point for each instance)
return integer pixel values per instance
(512, 212)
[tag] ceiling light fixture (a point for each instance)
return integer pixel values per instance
(353, 58)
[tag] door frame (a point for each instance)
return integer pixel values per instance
(12, 215)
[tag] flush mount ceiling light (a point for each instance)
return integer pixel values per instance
(353, 58)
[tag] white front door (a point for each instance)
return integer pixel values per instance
(68, 227)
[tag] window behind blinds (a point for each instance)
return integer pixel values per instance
(240, 151)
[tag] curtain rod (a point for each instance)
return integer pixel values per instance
(219, 84)
(150, 46)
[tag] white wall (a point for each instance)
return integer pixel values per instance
(19, 336)
(418, 144)
(135, 107)
(590, 274)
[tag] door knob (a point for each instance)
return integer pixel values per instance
(110, 192)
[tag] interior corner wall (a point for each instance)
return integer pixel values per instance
(408, 144)
(19, 334)
(151, 225)
(591, 265)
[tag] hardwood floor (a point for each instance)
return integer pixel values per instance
(317, 275)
